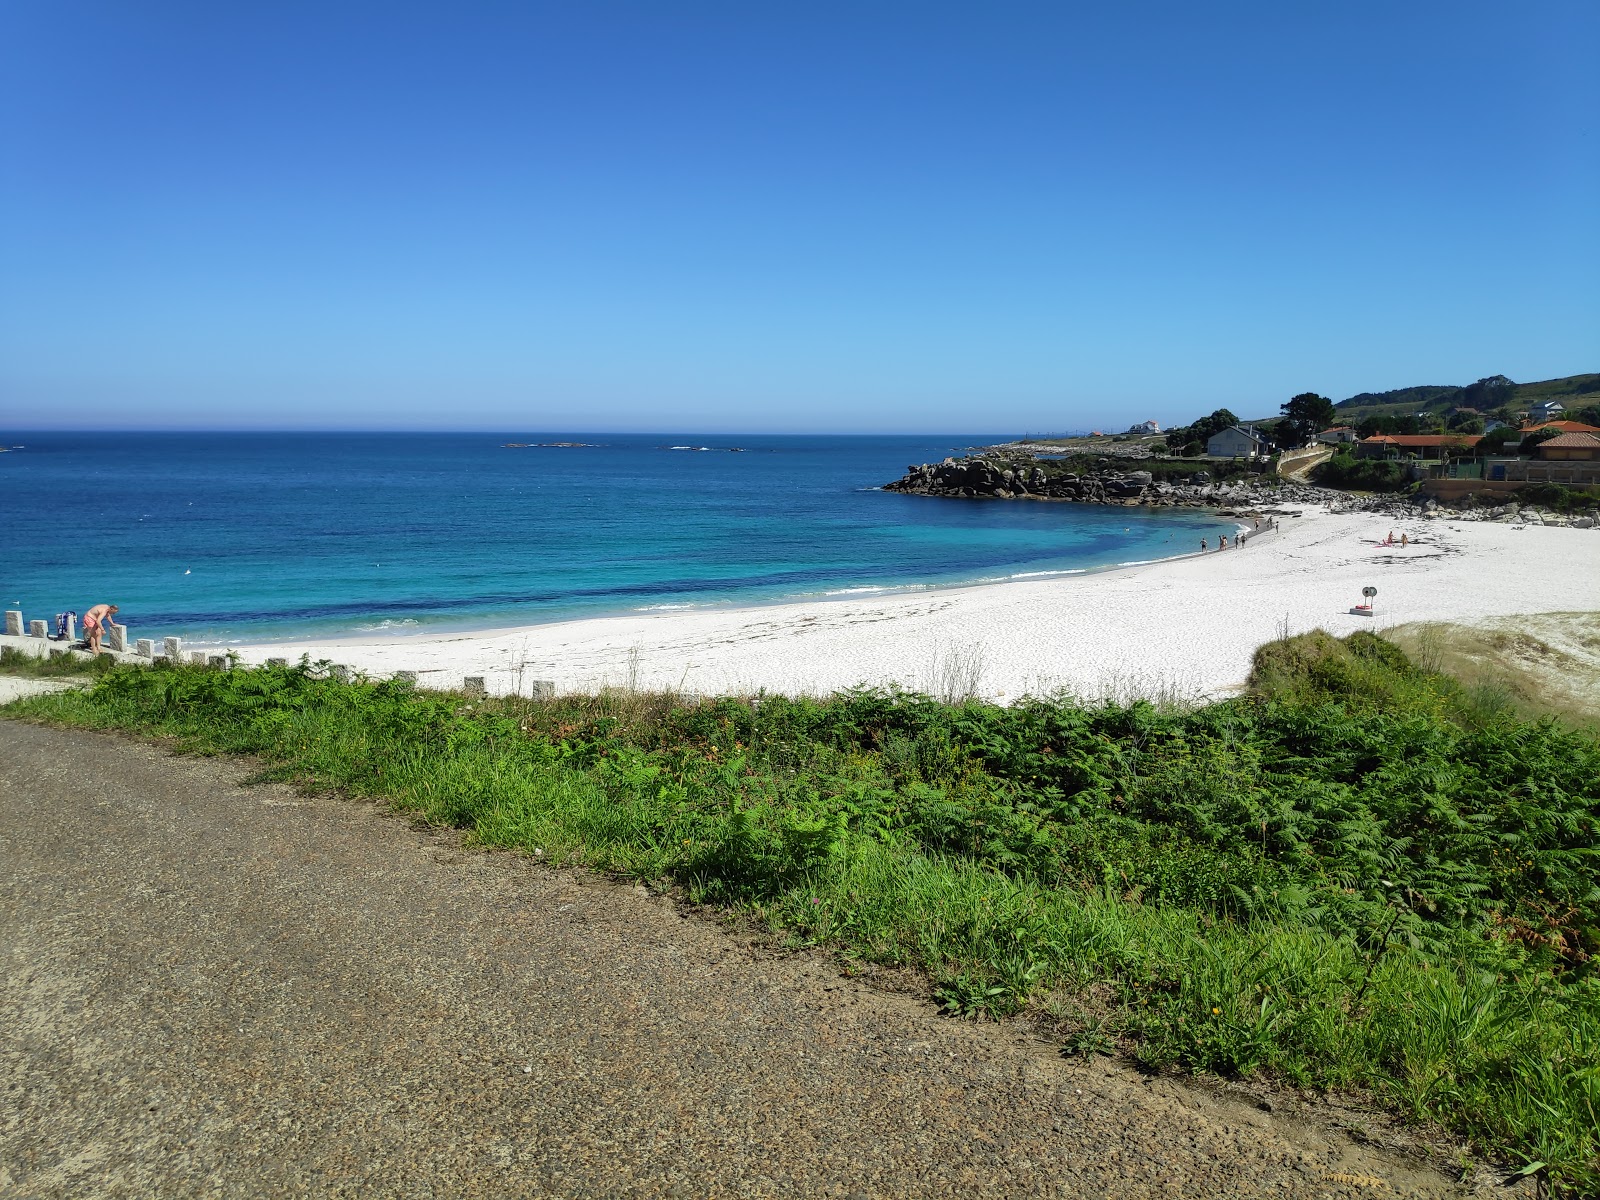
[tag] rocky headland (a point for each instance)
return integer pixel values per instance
(1004, 473)
(1104, 479)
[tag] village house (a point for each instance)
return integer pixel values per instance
(1546, 410)
(1237, 442)
(1336, 436)
(1414, 445)
(1571, 459)
(1145, 427)
(1582, 446)
(1562, 426)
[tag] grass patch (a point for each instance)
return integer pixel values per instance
(1355, 877)
(15, 662)
(1536, 666)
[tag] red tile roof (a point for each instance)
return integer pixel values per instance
(1425, 439)
(1572, 439)
(1564, 426)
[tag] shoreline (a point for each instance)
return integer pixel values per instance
(1183, 627)
(447, 629)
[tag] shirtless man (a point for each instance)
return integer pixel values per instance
(94, 625)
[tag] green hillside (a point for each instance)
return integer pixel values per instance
(1575, 391)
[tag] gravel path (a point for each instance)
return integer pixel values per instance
(214, 990)
(16, 687)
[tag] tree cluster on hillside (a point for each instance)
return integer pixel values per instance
(1402, 423)
(1190, 440)
(1493, 394)
(1304, 416)
(1418, 396)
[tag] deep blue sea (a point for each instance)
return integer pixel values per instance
(233, 536)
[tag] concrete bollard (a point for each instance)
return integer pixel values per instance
(341, 673)
(38, 629)
(217, 662)
(72, 627)
(197, 657)
(473, 685)
(145, 647)
(59, 651)
(277, 662)
(173, 649)
(406, 677)
(13, 623)
(543, 689)
(117, 637)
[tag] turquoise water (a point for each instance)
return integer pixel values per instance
(231, 536)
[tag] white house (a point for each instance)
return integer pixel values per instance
(1236, 442)
(1145, 427)
(1336, 435)
(1546, 410)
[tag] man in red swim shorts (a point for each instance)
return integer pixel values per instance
(94, 625)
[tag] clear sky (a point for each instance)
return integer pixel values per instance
(861, 216)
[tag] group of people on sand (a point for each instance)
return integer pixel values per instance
(1241, 539)
(1404, 539)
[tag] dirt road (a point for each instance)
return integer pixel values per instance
(215, 990)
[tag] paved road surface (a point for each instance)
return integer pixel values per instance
(214, 990)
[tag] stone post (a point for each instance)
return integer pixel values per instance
(37, 629)
(119, 636)
(277, 662)
(217, 662)
(173, 649)
(406, 677)
(473, 685)
(13, 623)
(72, 627)
(544, 689)
(341, 673)
(197, 657)
(145, 647)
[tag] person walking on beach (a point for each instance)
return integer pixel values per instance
(1222, 542)
(94, 623)
(1202, 545)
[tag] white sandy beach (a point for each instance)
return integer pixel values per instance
(1181, 628)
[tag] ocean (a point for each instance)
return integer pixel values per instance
(253, 536)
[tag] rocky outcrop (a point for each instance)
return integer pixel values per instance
(1101, 479)
(1102, 482)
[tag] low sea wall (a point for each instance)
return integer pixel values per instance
(31, 638)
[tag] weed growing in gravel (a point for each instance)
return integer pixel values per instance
(1359, 875)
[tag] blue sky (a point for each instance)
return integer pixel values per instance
(841, 217)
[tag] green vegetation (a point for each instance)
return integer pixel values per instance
(14, 662)
(1345, 470)
(1304, 416)
(1493, 395)
(1557, 496)
(1361, 875)
(1190, 440)
(1180, 470)
(1538, 665)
